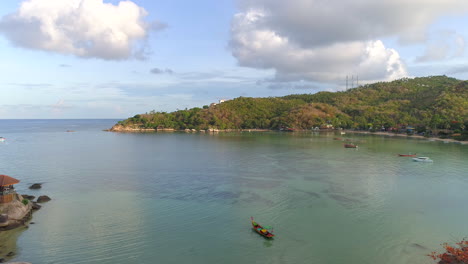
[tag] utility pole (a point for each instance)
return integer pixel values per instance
(346, 82)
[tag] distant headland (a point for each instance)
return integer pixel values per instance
(426, 106)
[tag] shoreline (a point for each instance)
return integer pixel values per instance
(121, 129)
(391, 134)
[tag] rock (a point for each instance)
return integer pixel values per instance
(10, 254)
(35, 186)
(3, 218)
(29, 197)
(2, 260)
(43, 198)
(35, 206)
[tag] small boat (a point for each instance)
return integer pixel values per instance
(2, 139)
(287, 129)
(261, 230)
(422, 159)
(342, 133)
(350, 145)
(407, 155)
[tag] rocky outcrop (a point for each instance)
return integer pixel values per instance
(121, 128)
(135, 128)
(15, 213)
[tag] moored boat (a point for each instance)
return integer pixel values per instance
(422, 159)
(262, 230)
(350, 145)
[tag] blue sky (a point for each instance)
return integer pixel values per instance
(115, 59)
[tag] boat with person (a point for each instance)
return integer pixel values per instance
(407, 155)
(422, 159)
(262, 230)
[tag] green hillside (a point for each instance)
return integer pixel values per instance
(428, 103)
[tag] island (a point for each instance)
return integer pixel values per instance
(425, 106)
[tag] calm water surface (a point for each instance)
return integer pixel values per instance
(187, 198)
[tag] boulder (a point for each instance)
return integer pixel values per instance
(43, 198)
(35, 186)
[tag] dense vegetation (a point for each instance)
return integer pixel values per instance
(428, 104)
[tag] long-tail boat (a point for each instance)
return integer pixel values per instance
(261, 230)
(350, 145)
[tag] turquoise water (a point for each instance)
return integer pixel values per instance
(188, 198)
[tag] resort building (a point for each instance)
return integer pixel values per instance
(7, 191)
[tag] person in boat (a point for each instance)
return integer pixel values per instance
(254, 223)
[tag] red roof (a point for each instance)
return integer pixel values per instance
(6, 180)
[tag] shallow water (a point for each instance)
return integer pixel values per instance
(188, 198)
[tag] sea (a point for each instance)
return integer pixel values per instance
(189, 197)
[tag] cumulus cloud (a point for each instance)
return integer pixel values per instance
(85, 28)
(318, 40)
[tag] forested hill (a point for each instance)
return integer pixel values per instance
(436, 102)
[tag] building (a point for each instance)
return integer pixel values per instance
(7, 191)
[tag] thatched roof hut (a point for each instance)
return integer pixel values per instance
(6, 180)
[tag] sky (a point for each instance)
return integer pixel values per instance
(115, 59)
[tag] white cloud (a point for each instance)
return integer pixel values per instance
(264, 48)
(85, 28)
(322, 22)
(323, 41)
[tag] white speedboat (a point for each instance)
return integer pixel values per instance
(422, 159)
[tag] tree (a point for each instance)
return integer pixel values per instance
(453, 254)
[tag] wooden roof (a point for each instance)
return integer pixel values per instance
(6, 180)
